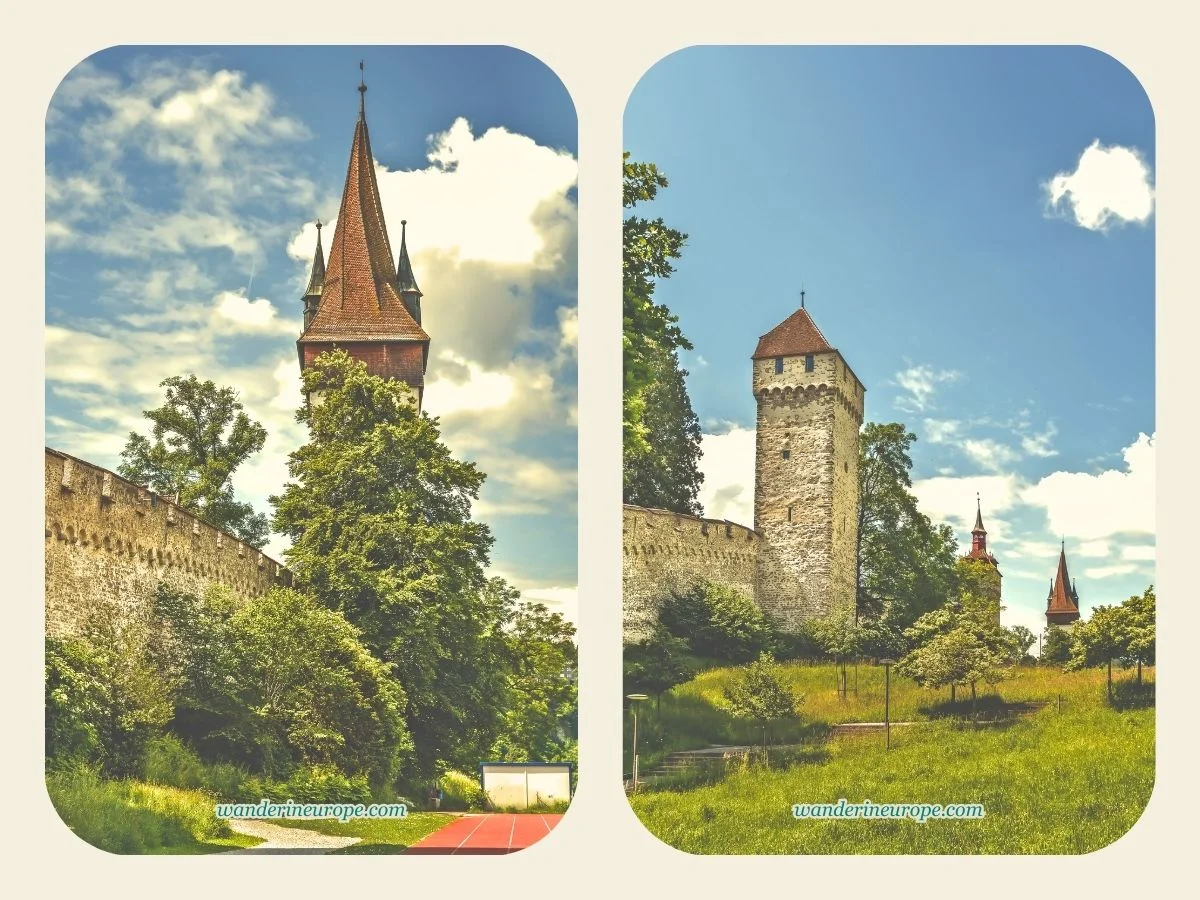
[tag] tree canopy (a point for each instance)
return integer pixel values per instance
(904, 561)
(660, 429)
(201, 435)
(379, 515)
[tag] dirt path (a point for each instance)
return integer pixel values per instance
(278, 839)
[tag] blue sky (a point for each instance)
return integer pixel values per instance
(974, 229)
(183, 186)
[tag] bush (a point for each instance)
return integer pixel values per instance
(326, 784)
(718, 623)
(461, 792)
(171, 762)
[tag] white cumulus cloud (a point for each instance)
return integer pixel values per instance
(1109, 185)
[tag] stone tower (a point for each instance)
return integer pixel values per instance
(1062, 606)
(983, 562)
(363, 302)
(810, 409)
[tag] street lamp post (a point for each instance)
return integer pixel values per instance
(887, 699)
(634, 700)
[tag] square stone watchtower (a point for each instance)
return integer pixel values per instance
(806, 496)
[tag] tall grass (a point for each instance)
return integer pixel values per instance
(1067, 777)
(692, 715)
(133, 817)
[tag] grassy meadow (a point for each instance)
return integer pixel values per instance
(1057, 769)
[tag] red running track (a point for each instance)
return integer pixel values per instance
(491, 833)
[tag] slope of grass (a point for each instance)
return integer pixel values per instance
(1067, 778)
(378, 835)
(692, 714)
(135, 817)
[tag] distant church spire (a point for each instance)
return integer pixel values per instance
(1062, 606)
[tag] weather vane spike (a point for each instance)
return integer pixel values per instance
(802, 295)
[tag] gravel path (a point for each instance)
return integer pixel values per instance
(277, 839)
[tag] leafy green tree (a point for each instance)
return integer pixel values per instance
(1139, 614)
(841, 636)
(201, 435)
(762, 696)
(280, 682)
(718, 623)
(902, 559)
(105, 698)
(379, 515)
(661, 436)
(657, 664)
(539, 723)
(1023, 640)
(1056, 647)
(959, 643)
(1103, 638)
(663, 471)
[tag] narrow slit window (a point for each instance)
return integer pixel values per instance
(789, 514)
(787, 454)
(779, 365)
(808, 362)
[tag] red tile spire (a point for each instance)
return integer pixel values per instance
(361, 307)
(1062, 606)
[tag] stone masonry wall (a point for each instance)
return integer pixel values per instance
(110, 543)
(664, 552)
(806, 485)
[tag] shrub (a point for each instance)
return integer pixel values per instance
(461, 792)
(169, 761)
(326, 784)
(718, 623)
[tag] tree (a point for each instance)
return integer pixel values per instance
(1100, 640)
(660, 430)
(542, 700)
(761, 696)
(1023, 639)
(663, 471)
(280, 682)
(959, 643)
(841, 636)
(1139, 614)
(902, 559)
(379, 515)
(718, 622)
(1056, 646)
(657, 664)
(201, 435)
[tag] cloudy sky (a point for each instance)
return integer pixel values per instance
(975, 231)
(183, 186)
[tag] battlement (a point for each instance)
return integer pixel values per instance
(788, 380)
(108, 537)
(666, 552)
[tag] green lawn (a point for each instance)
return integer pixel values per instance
(135, 817)
(378, 835)
(1062, 778)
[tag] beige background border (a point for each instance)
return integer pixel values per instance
(599, 51)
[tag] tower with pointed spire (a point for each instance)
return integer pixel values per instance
(363, 301)
(1062, 605)
(806, 495)
(979, 565)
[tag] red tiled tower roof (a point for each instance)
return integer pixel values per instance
(362, 306)
(1062, 605)
(797, 335)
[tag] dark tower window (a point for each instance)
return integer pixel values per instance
(779, 365)
(789, 514)
(787, 454)
(808, 362)
(845, 467)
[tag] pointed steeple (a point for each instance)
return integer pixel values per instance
(360, 299)
(978, 529)
(1062, 606)
(406, 281)
(316, 279)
